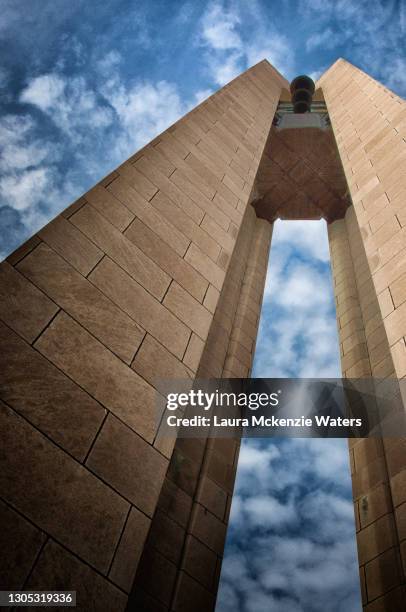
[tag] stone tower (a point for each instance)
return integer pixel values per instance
(158, 271)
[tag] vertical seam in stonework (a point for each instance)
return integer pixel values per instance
(95, 265)
(119, 541)
(139, 347)
(47, 325)
(37, 556)
(107, 412)
(172, 280)
(187, 346)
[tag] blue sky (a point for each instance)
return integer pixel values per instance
(291, 540)
(83, 85)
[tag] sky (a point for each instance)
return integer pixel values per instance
(291, 538)
(83, 85)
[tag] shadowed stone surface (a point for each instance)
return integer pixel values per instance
(58, 570)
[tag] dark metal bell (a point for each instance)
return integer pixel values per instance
(302, 90)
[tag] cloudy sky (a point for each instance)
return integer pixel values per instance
(85, 84)
(291, 540)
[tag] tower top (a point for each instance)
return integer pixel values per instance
(302, 90)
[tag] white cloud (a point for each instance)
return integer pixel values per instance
(26, 189)
(202, 94)
(297, 344)
(225, 69)
(14, 127)
(262, 602)
(330, 459)
(291, 462)
(266, 511)
(274, 47)
(44, 91)
(144, 110)
(19, 146)
(219, 28)
(109, 62)
(291, 542)
(70, 103)
(310, 237)
(97, 128)
(236, 38)
(370, 33)
(298, 333)
(252, 457)
(304, 288)
(326, 39)
(329, 507)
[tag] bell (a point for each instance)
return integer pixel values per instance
(302, 90)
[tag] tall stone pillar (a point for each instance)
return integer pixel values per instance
(368, 250)
(241, 348)
(121, 289)
(181, 561)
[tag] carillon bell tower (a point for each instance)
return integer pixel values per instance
(158, 272)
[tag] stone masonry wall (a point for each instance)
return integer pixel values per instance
(119, 289)
(368, 250)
